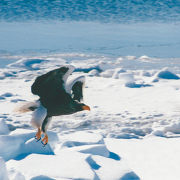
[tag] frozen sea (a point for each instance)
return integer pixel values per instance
(113, 29)
(129, 52)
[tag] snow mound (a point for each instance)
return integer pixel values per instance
(157, 133)
(95, 149)
(93, 72)
(173, 127)
(105, 65)
(119, 168)
(122, 136)
(7, 73)
(144, 58)
(10, 146)
(27, 63)
(145, 73)
(32, 146)
(20, 143)
(127, 79)
(70, 165)
(99, 149)
(83, 138)
(164, 74)
(4, 130)
(107, 73)
(3, 171)
(85, 142)
(81, 155)
(18, 176)
(117, 72)
(86, 67)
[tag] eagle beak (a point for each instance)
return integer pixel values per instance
(86, 108)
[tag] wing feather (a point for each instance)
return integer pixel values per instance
(75, 88)
(51, 83)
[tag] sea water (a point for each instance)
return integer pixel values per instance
(125, 30)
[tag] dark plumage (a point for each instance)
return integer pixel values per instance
(50, 88)
(57, 97)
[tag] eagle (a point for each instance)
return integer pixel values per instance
(57, 96)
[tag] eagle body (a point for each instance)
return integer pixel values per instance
(57, 97)
(61, 105)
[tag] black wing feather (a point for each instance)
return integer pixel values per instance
(49, 84)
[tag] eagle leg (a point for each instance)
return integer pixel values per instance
(45, 140)
(44, 129)
(38, 134)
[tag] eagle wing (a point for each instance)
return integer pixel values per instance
(75, 88)
(48, 85)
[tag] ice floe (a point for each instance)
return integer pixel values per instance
(131, 116)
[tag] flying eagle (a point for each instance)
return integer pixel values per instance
(57, 97)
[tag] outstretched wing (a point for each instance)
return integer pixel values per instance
(75, 88)
(51, 83)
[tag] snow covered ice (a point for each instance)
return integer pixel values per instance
(132, 131)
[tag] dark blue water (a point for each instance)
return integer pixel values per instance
(120, 11)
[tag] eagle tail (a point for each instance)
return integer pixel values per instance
(26, 107)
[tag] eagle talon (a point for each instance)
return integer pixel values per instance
(38, 135)
(38, 139)
(43, 144)
(45, 140)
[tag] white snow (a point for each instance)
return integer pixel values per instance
(4, 130)
(64, 165)
(151, 158)
(131, 132)
(3, 171)
(117, 72)
(128, 79)
(108, 73)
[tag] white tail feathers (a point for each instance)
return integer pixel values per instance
(38, 115)
(26, 106)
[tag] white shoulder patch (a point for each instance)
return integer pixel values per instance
(72, 81)
(70, 70)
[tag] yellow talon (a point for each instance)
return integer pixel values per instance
(45, 139)
(38, 134)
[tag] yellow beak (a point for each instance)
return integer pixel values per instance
(86, 108)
